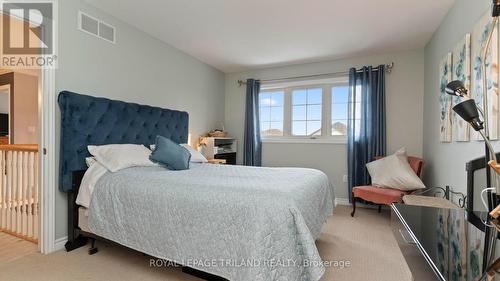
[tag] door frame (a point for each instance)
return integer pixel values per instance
(47, 162)
(7, 79)
(8, 87)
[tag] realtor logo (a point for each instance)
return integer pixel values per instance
(28, 34)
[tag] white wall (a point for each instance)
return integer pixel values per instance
(138, 68)
(404, 88)
(25, 109)
(445, 162)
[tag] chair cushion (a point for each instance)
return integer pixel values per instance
(378, 195)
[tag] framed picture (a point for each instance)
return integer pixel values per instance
(479, 37)
(462, 72)
(445, 100)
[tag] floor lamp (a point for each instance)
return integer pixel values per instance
(469, 111)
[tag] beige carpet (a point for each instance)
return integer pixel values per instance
(13, 248)
(365, 241)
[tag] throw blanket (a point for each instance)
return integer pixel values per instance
(241, 223)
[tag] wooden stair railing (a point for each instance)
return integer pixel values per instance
(19, 173)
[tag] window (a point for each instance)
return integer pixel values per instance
(305, 111)
(340, 108)
(271, 113)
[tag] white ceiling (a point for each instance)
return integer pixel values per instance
(236, 35)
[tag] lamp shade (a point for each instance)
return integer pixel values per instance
(468, 111)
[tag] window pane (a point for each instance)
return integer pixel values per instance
(339, 127)
(299, 97)
(265, 99)
(314, 128)
(299, 128)
(264, 128)
(314, 96)
(299, 112)
(276, 113)
(277, 99)
(276, 129)
(314, 112)
(264, 113)
(339, 111)
(340, 94)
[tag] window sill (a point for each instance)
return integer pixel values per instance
(340, 141)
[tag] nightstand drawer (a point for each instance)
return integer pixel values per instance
(418, 265)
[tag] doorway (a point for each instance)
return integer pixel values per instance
(19, 162)
(42, 137)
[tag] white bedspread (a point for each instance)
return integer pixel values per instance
(241, 223)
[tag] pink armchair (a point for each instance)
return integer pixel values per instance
(384, 196)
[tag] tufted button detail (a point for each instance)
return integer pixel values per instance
(88, 120)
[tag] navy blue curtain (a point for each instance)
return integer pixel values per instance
(252, 143)
(366, 124)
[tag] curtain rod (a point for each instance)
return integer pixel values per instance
(388, 69)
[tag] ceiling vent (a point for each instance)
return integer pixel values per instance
(96, 27)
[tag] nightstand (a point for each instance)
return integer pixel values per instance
(220, 148)
(217, 161)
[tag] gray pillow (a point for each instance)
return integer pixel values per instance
(170, 154)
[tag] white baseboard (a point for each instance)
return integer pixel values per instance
(59, 243)
(342, 201)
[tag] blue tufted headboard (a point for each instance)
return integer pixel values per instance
(87, 120)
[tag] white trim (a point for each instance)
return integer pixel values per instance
(8, 91)
(340, 140)
(47, 148)
(326, 113)
(342, 201)
(59, 243)
(305, 83)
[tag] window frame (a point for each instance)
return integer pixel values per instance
(326, 113)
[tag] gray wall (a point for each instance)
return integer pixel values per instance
(445, 162)
(139, 69)
(404, 113)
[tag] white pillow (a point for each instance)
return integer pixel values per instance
(196, 156)
(394, 172)
(116, 157)
(90, 161)
(89, 181)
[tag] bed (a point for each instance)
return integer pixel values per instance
(236, 222)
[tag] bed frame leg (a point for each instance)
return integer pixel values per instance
(76, 243)
(93, 249)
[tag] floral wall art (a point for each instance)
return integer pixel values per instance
(462, 72)
(445, 100)
(479, 37)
